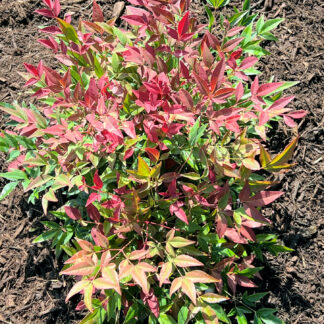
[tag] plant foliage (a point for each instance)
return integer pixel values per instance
(151, 143)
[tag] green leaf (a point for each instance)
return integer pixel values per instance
(268, 317)
(220, 313)
(211, 18)
(255, 297)
(97, 67)
(183, 315)
(166, 319)
(68, 31)
(121, 36)
(46, 236)
(246, 4)
(132, 312)
(259, 24)
(241, 319)
(14, 175)
(115, 62)
(270, 24)
(7, 189)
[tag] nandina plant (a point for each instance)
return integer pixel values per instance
(149, 144)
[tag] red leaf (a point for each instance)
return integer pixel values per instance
(97, 14)
(45, 12)
(234, 31)
(94, 196)
(183, 25)
(97, 181)
(218, 75)
(153, 154)
(264, 198)
(231, 44)
(93, 212)
(186, 98)
(179, 212)
(129, 153)
(72, 212)
(201, 84)
(248, 62)
(268, 88)
(134, 20)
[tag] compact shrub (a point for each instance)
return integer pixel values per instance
(149, 143)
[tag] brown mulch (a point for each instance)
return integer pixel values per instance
(31, 290)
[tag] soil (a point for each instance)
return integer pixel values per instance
(31, 289)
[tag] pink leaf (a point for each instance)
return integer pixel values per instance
(281, 103)
(231, 44)
(265, 89)
(289, 121)
(179, 212)
(245, 282)
(234, 31)
(151, 300)
(248, 62)
(298, 114)
(72, 212)
(94, 196)
(99, 238)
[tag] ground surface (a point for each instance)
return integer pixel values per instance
(31, 290)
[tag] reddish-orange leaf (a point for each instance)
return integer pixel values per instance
(146, 267)
(176, 284)
(153, 154)
(185, 261)
(165, 272)
(188, 287)
(140, 278)
(85, 245)
(200, 276)
(79, 286)
(125, 269)
(83, 268)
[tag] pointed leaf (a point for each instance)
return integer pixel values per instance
(213, 298)
(200, 276)
(185, 261)
(79, 286)
(188, 287)
(178, 242)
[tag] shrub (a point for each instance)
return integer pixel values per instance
(151, 143)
